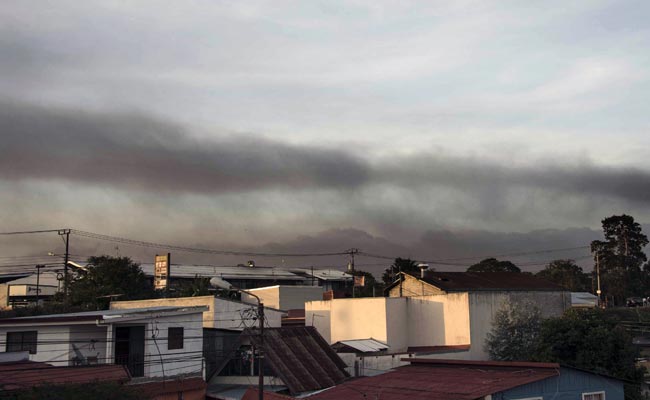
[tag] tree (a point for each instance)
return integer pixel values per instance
(198, 286)
(106, 276)
(620, 257)
(566, 274)
(587, 339)
(514, 332)
(493, 265)
(400, 264)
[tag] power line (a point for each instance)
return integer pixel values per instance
(140, 243)
(30, 232)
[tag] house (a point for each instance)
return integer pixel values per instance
(22, 290)
(472, 380)
(153, 342)
(452, 318)
(297, 360)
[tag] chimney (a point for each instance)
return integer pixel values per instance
(423, 267)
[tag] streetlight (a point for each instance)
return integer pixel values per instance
(220, 283)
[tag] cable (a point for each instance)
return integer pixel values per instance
(196, 250)
(30, 232)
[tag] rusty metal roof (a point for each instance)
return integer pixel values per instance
(301, 358)
(442, 380)
(487, 281)
(24, 375)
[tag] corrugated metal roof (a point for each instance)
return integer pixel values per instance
(24, 375)
(325, 274)
(365, 345)
(301, 358)
(492, 281)
(226, 272)
(441, 380)
(101, 314)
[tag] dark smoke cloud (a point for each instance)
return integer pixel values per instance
(134, 151)
(141, 152)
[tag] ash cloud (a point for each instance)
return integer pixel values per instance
(135, 151)
(131, 151)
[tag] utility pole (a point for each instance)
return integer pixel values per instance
(66, 233)
(598, 278)
(352, 252)
(38, 282)
(260, 351)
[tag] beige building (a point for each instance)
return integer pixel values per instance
(285, 297)
(456, 312)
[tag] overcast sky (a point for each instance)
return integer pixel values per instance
(418, 128)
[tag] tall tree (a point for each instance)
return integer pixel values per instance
(566, 274)
(514, 332)
(587, 339)
(106, 276)
(399, 265)
(493, 265)
(620, 257)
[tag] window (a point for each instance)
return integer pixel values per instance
(174, 338)
(22, 341)
(593, 396)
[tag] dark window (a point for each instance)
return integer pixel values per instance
(174, 338)
(22, 341)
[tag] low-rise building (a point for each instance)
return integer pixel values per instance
(153, 342)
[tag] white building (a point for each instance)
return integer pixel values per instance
(452, 318)
(154, 342)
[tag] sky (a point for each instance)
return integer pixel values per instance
(423, 129)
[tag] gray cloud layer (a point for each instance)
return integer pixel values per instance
(141, 152)
(134, 151)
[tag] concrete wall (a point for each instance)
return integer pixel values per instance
(187, 360)
(285, 297)
(4, 296)
(221, 313)
(90, 341)
(414, 287)
(53, 342)
(439, 320)
(343, 319)
(400, 322)
(484, 305)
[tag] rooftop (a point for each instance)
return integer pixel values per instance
(487, 281)
(442, 380)
(105, 315)
(26, 374)
(302, 358)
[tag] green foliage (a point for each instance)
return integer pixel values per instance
(197, 287)
(90, 391)
(493, 265)
(566, 274)
(400, 264)
(50, 307)
(109, 276)
(514, 332)
(620, 257)
(590, 340)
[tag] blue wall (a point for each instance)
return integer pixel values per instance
(568, 386)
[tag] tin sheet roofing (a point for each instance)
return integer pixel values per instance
(442, 380)
(225, 272)
(301, 358)
(24, 375)
(365, 345)
(492, 281)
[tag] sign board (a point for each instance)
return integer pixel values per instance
(161, 271)
(359, 281)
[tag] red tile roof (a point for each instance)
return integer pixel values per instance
(441, 380)
(23, 375)
(492, 281)
(157, 388)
